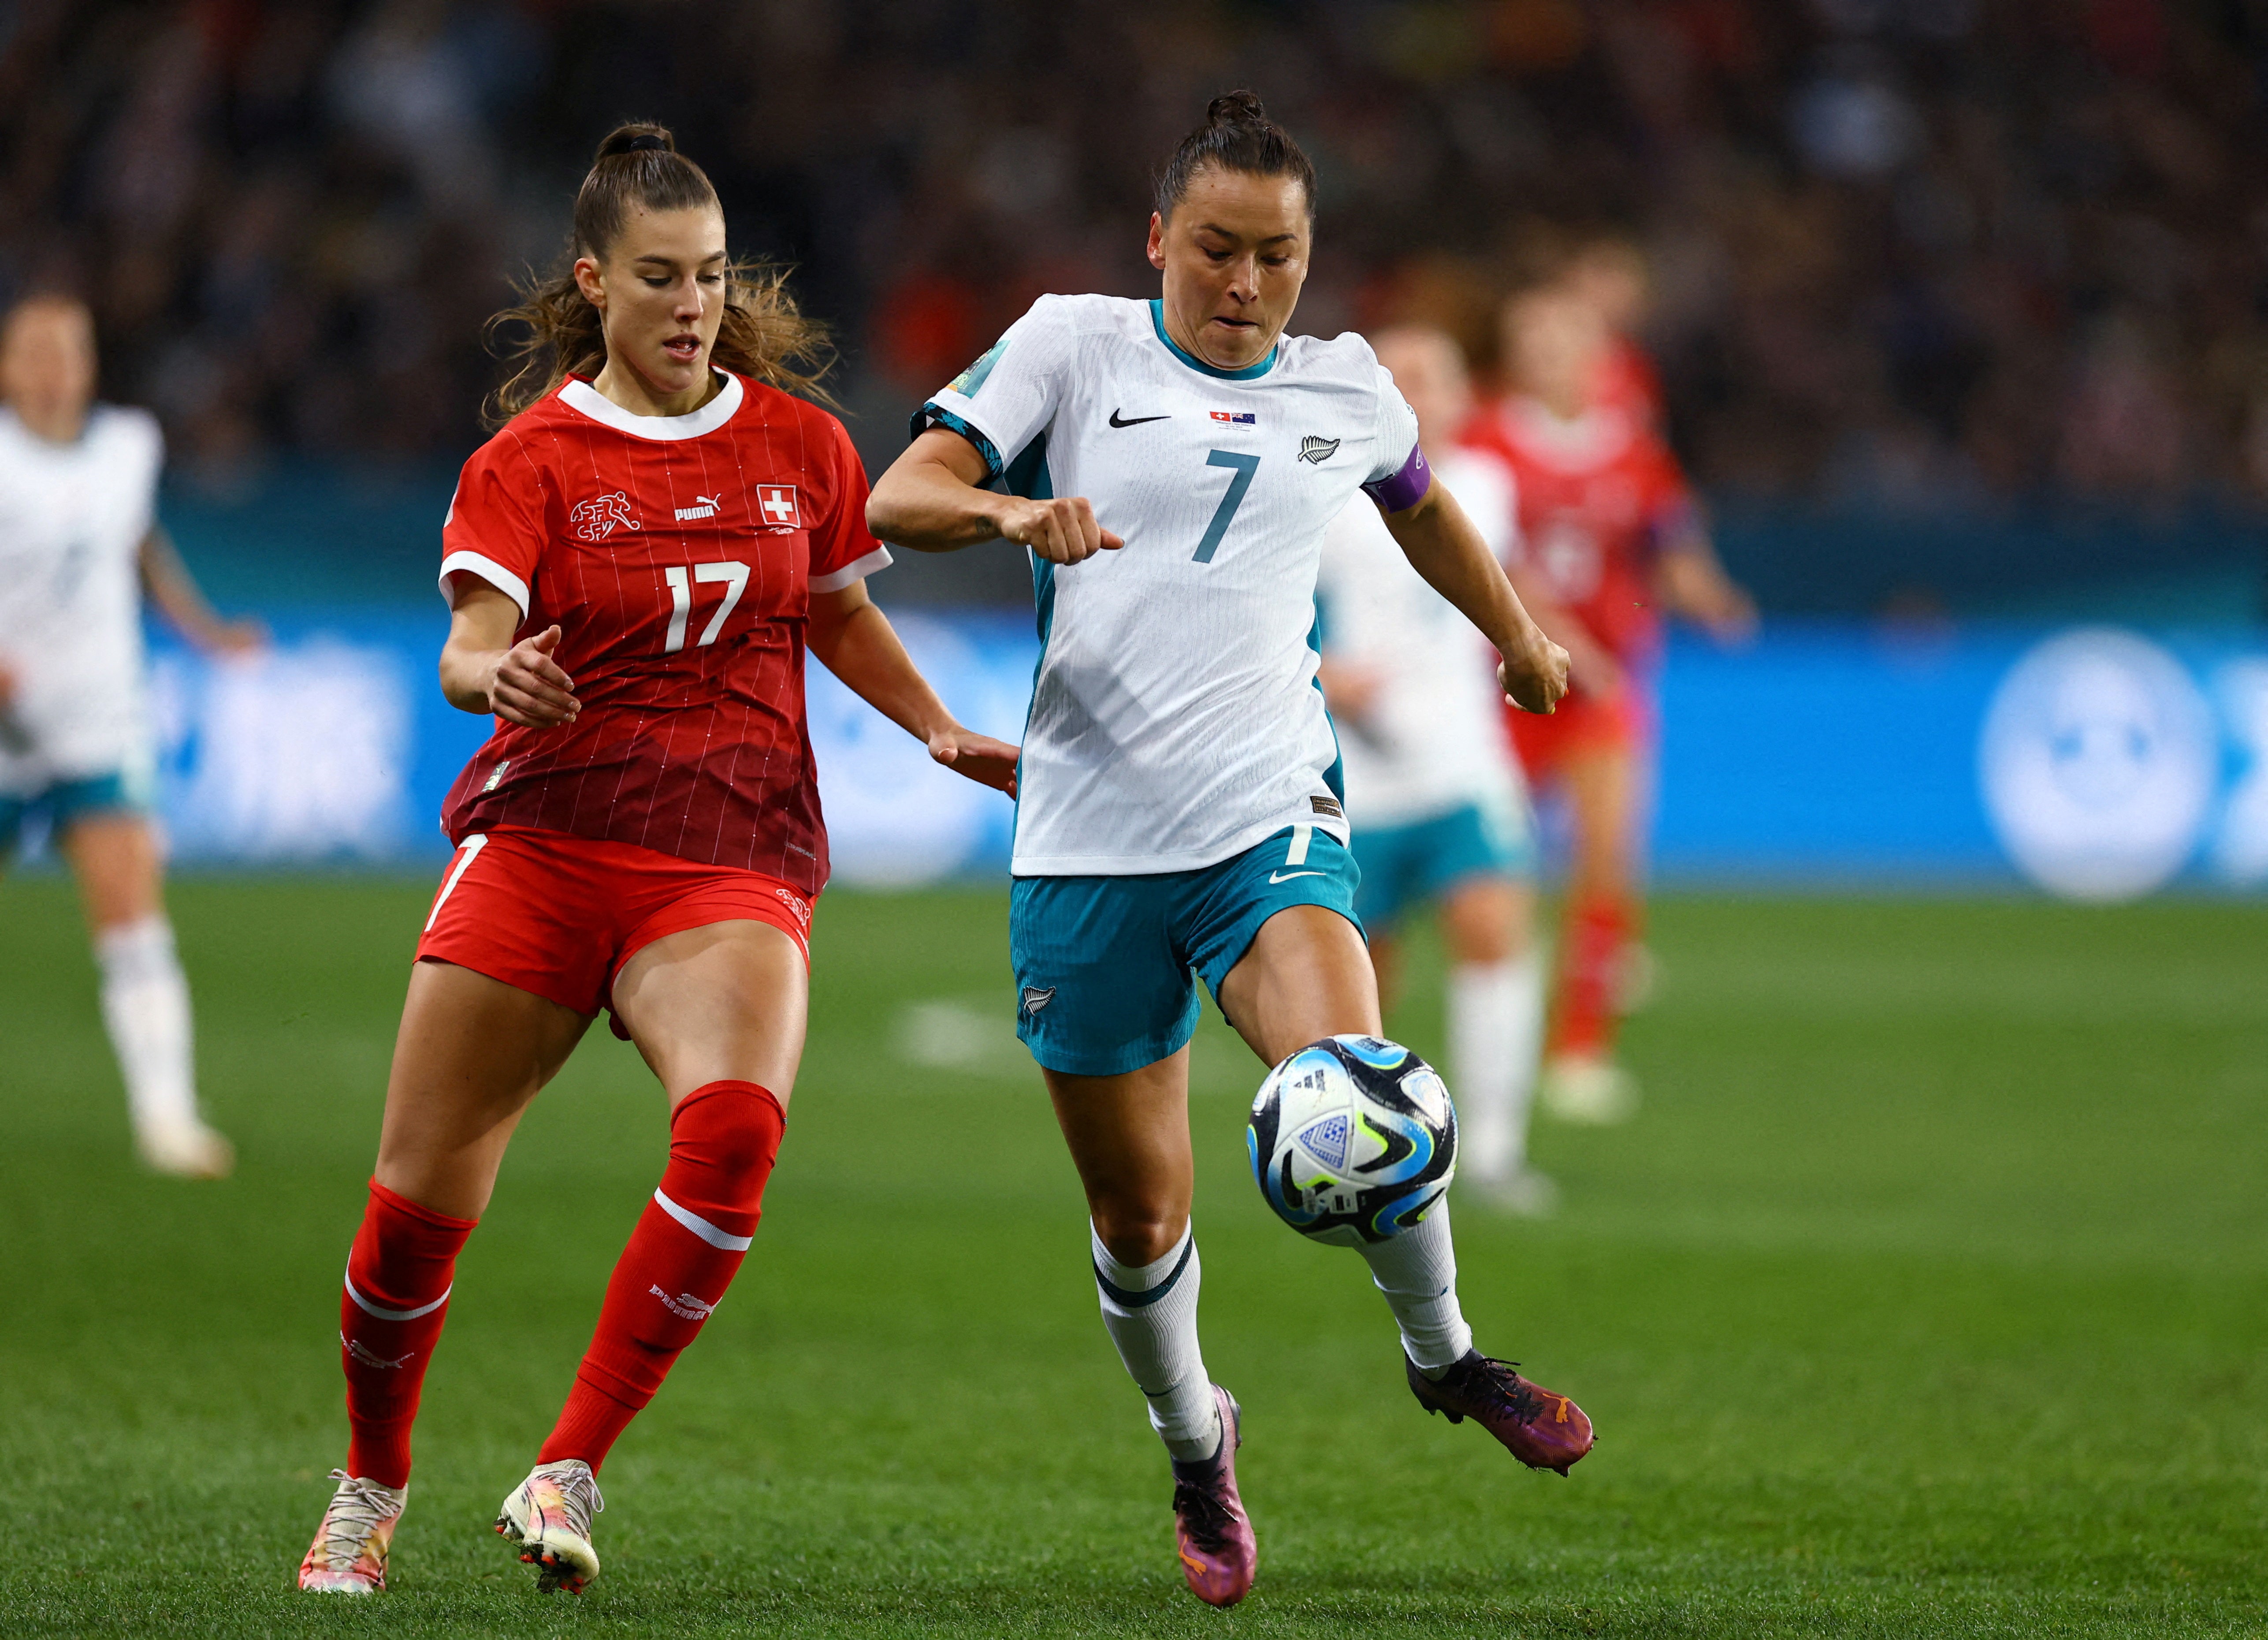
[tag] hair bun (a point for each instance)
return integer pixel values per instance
(636, 139)
(1235, 107)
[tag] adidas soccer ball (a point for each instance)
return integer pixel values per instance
(1352, 1140)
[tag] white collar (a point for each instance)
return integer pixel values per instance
(1595, 437)
(579, 395)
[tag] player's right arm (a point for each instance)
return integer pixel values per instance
(933, 497)
(483, 670)
(492, 546)
(932, 500)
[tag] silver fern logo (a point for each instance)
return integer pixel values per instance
(1318, 450)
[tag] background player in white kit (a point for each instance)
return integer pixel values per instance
(78, 541)
(1172, 466)
(1438, 808)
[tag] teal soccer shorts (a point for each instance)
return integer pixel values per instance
(1405, 866)
(65, 801)
(1103, 964)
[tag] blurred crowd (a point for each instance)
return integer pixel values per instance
(1903, 252)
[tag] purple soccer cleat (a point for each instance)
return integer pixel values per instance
(1539, 1426)
(1212, 1531)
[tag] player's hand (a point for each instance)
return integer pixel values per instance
(529, 689)
(980, 757)
(1534, 676)
(236, 637)
(1350, 688)
(7, 685)
(1733, 621)
(1063, 530)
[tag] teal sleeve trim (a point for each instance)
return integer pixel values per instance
(935, 415)
(1334, 777)
(1250, 372)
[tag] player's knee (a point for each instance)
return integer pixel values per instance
(1135, 1235)
(1479, 929)
(731, 1132)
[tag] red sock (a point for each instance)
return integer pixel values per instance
(396, 1297)
(688, 1242)
(1590, 975)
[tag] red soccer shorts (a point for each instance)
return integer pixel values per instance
(559, 915)
(1582, 727)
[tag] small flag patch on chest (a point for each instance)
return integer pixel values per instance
(775, 506)
(1237, 418)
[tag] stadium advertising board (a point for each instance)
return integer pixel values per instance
(2096, 763)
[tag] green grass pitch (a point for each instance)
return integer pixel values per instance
(1928, 1295)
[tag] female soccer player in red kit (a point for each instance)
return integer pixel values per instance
(636, 563)
(1609, 536)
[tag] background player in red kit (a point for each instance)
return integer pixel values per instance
(1610, 535)
(636, 563)
(1605, 269)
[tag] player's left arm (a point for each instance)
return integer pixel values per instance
(175, 592)
(1693, 581)
(1445, 547)
(855, 640)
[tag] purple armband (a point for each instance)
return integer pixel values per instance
(1405, 489)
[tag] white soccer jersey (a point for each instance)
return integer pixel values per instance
(72, 520)
(1174, 718)
(1431, 739)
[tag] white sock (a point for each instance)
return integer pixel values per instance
(1150, 1311)
(145, 1003)
(1418, 1272)
(1496, 1037)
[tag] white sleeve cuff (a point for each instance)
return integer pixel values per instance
(878, 559)
(491, 572)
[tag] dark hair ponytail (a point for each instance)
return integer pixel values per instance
(1237, 135)
(638, 167)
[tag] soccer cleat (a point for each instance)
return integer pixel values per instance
(1539, 1426)
(349, 1554)
(186, 1148)
(549, 1517)
(1586, 1088)
(1211, 1533)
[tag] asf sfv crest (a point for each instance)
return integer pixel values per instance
(1318, 450)
(600, 516)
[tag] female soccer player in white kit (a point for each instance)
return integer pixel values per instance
(1172, 466)
(78, 539)
(1441, 813)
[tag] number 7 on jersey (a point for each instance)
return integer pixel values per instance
(1244, 466)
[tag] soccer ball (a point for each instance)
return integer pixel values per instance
(1352, 1140)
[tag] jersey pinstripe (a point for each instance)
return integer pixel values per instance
(677, 554)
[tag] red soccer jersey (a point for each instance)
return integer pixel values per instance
(677, 555)
(1596, 494)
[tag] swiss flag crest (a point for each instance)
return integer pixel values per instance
(775, 506)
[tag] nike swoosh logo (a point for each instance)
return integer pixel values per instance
(1286, 876)
(1136, 422)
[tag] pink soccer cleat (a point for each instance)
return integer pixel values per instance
(1539, 1426)
(349, 1554)
(1211, 1533)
